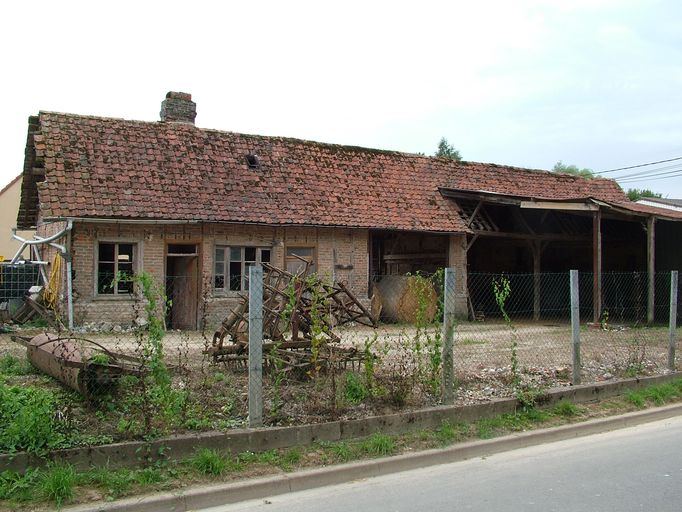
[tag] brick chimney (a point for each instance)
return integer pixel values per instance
(178, 107)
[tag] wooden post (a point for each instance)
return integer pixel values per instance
(537, 257)
(651, 266)
(596, 265)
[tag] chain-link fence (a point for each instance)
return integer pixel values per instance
(327, 353)
(15, 282)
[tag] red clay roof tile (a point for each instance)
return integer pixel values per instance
(113, 168)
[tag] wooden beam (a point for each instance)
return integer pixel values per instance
(473, 215)
(596, 266)
(527, 236)
(537, 257)
(555, 205)
(471, 242)
(522, 220)
(651, 265)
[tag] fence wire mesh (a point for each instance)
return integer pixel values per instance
(323, 358)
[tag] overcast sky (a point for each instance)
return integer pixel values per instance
(526, 83)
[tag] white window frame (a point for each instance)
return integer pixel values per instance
(115, 293)
(225, 265)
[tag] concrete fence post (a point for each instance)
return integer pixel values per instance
(255, 346)
(673, 320)
(575, 325)
(448, 336)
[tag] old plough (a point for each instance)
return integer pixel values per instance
(300, 312)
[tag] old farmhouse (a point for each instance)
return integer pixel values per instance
(196, 207)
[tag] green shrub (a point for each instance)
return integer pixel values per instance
(10, 365)
(378, 445)
(209, 462)
(57, 483)
(566, 409)
(354, 389)
(17, 487)
(27, 420)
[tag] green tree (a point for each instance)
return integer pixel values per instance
(635, 194)
(573, 169)
(446, 150)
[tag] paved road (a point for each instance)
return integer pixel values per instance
(638, 468)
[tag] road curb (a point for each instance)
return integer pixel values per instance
(220, 494)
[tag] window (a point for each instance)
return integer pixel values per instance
(296, 258)
(115, 259)
(232, 266)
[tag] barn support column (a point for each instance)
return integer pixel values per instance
(536, 247)
(457, 259)
(596, 265)
(651, 266)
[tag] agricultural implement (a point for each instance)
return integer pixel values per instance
(302, 304)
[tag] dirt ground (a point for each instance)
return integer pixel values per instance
(482, 353)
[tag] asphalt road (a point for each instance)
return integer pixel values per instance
(638, 468)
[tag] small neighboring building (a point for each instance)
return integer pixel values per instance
(9, 207)
(197, 207)
(659, 202)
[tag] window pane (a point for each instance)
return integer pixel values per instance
(295, 266)
(220, 254)
(219, 268)
(105, 278)
(249, 254)
(265, 255)
(236, 275)
(236, 254)
(220, 281)
(106, 252)
(303, 252)
(125, 252)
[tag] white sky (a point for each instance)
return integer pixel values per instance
(593, 83)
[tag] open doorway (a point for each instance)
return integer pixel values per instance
(182, 286)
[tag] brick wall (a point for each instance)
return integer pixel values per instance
(341, 255)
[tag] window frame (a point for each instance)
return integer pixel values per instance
(288, 258)
(136, 261)
(227, 261)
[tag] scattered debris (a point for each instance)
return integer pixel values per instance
(289, 301)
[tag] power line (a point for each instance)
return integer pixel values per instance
(635, 180)
(640, 165)
(638, 176)
(648, 172)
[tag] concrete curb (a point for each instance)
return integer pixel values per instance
(136, 453)
(221, 494)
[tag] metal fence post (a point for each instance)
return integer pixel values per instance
(673, 320)
(255, 346)
(448, 336)
(575, 325)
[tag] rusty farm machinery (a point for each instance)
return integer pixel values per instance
(306, 306)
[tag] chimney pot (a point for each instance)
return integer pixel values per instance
(178, 107)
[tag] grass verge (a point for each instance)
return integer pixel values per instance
(42, 489)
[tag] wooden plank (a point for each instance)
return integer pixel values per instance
(527, 236)
(552, 205)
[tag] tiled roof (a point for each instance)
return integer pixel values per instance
(113, 168)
